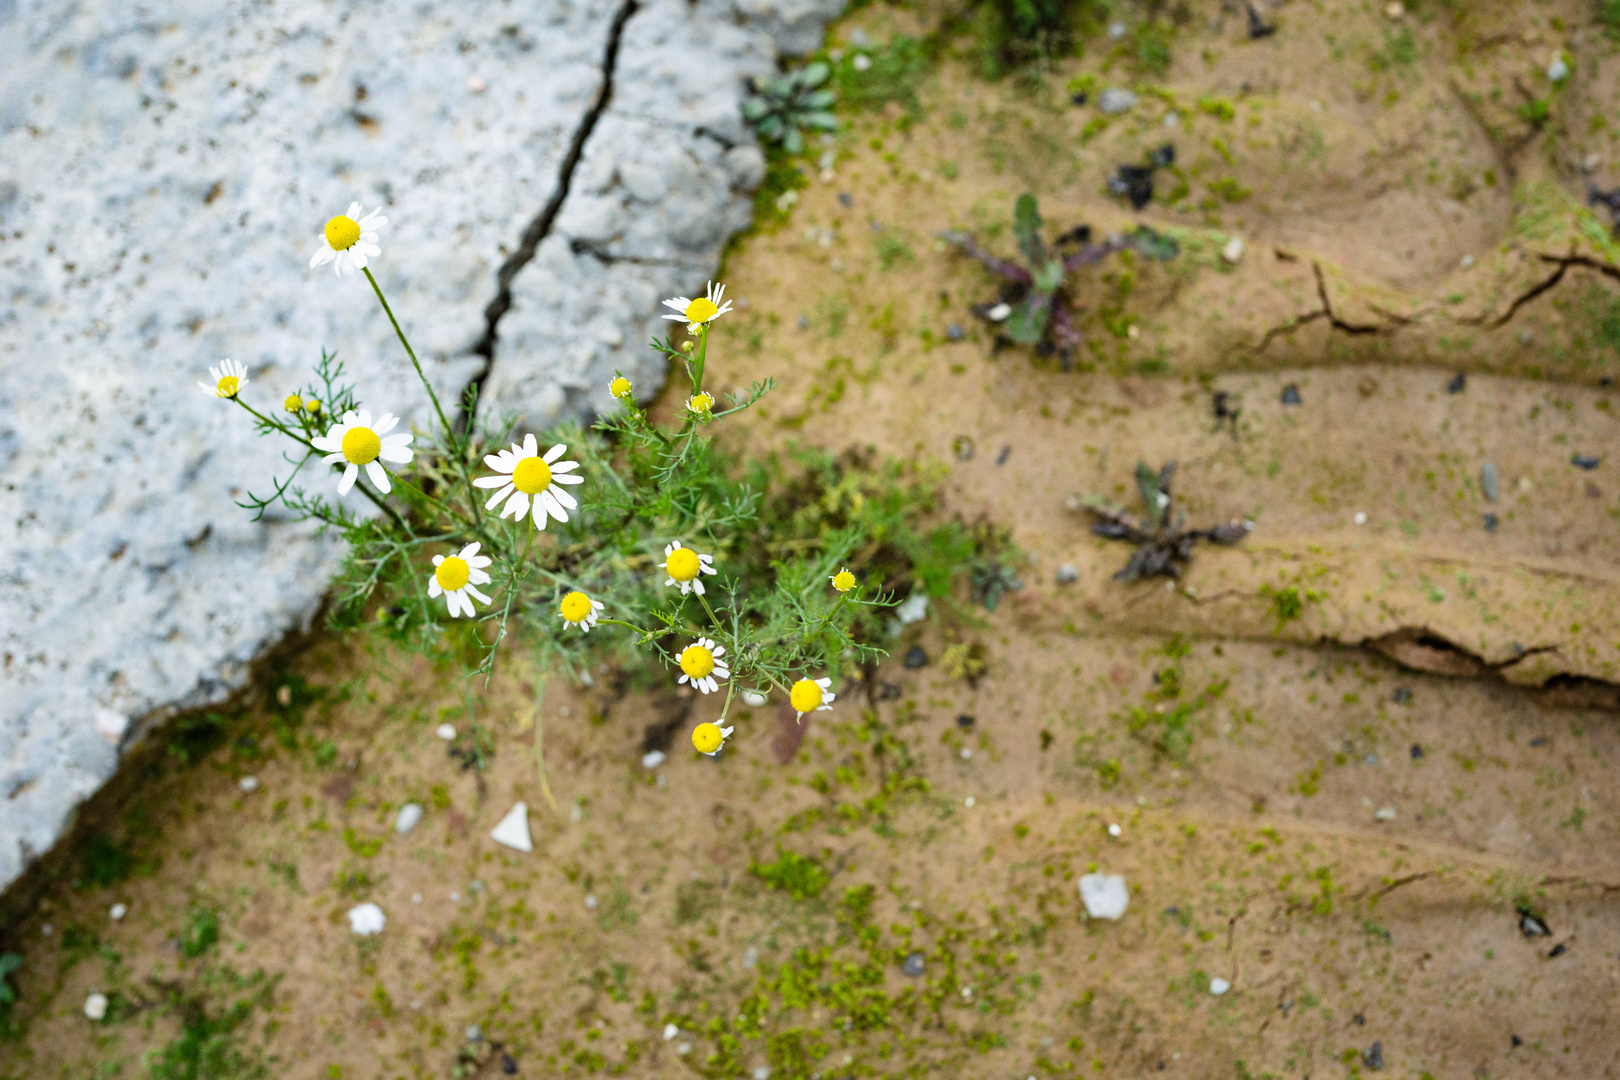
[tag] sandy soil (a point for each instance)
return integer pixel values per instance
(1339, 813)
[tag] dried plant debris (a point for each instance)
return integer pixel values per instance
(1163, 544)
(1035, 307)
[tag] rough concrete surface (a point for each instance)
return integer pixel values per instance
(549, 172)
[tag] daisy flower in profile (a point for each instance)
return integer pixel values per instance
(698, 313)
(701, 405)
(709, 738)
(350, 240)
(579, 610)
(526, 479)
(685, 567)
(843, 581)
(356, 441)
(457, 577)
(811, 695)
(620, 387)
(702, 667)
(229, 378)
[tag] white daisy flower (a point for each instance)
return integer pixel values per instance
(456, 577)
(229, 378)
(684, 567)
(356, 441)
(709, 738)
(811, 695)
(702, 667)
(350, 240)
(698, 313)
(701, 405)
(620, 388)
(526, 479)
(579, 610)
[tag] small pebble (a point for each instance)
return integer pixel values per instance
(476, 887)
(954, 332)
(1116, 31)
(248, 784)
(1384, 813)
(684, 1048)
(1558, 70)
(1394, 9)
(804, 322)
(1558, 950)
(1233, 251)
(967, 755)
(1458, 383)
(915, 964)
(968, 802)
(1116, 100)
(95, 1006)
(964, 721)
(1219, 986)
(118, 911)
(1402, 695)
(1467, 262)
(455, 898)
(475, 85)
(1373, 1058)
(46, 929)
(999, 313)
(1001, 458)
(762, 1073)
(283, 696)
(367, 919)
(1361, 517)
(1290, 395)
(915, 658)
(1370, 759)
(1417, 752)
(408, 818)
(862, 62)
(590, 902)
(1067, 574)
(750, 957)
(653, 758)
(475, 1033)
(754, 698)
(1490, 481)
(1114, 829)
(1491, 522)
(1583, 461)
(967, 992)
(508, 1064)
(670, 1031)
(416, 898)
(1105, 895)
(846, 199)
(447, 732)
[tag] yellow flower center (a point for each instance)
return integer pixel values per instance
(532, 476)
(697, 661)
(707, 738)
(806, 695)
(843, 581)
(575, 607)
(342, 233)
(293, 403)
(701, 403)
(361, 445)
(682, 564)
(700, 310)
(313, 406)
(620, 387)
(453, 573)
(228, 386)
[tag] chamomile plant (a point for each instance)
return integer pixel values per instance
(473, 537)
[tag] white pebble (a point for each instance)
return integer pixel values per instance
(367, 919)
(684, 1048)
(409, 816)
(248, 784)
(590, 902)
(1105, 895)
(447, 732)
(95, 1006)
(670, 1031)
(416, 898)
(46, 929)
(1219, 986)
(1114, 829)
(513, 829)
(762, 1073)
(1467, 261)
(455, 898)
(750, 957)
(1361, 517)
(1384, 813)
(653, 758)
(1558, 70)
(968, 802)
(967, 754)
(999, 313)
(475, 85)
(862, 62)
(967, 992)
(118, 911)
(754, 698)
(1233, 251)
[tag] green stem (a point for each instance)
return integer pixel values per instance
(828, 618)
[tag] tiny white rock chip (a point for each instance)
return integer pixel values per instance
(862, 62)
(110, 725)
(248, 784)
(1558, 70)
(367, 919)
(408, 818)
(1384, 813)
(999, 313)
(754, 698)
(915, 607)
(1219, 986)
(513, 830)
(653, 758)
(684, 1048)
(762, 1073)
(750, 957)
(95, 1006)
(1114, 829)
(1361, 517)
(1116, 100)
(590, 903)
(670, 1031)
(118, 911)
(447, 732)
(1105, 895)
(1233, 251)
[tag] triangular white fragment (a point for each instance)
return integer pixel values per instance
(513, 831)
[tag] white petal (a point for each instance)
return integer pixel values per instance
(481, 597)
(517, 505)
(354, 213)
(385, 423)
(491, 481)
(568, 479)
(680, 304)
(357, 257)
(554, 453)
(468, 552)
(363, 417)
(347, 482)
(379, 477)
(434, 589)
(531, 445)
(498, 496)
(562, 498)
(673, 318)
(478, 577)
(398, 454)
(565, 466)
(498, 462)
(546, 500)
(697, 587)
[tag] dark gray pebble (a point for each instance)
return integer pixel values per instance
(915, 657)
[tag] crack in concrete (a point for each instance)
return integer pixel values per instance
(542, 225)
(607, 258)
(1327, 307)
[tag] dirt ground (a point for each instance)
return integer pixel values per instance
(1344, 756)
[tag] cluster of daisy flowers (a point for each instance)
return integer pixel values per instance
(525, 482)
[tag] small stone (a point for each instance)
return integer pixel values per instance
(1116, 31)
(862, 62)
(1116, 100)
(475, 887)
(1467, 262)
(447, 732)
(1114, 829)
(968, 802)
(1067, 574)
(754, 698)
(475, 85)
(508, 1064)
(1290, 395)
(416, 898)
(846, 199)
(1233, 251)
(1417, 752)
(915, 658)
(513, 829)
(577, 811)
(1402, 695)
(1370, 759)
(409, 816)
(915, 964)
(590, 902)
(954, 332)
(804, 322)
(1490, 523)
(1172, 120)
(284, 695)
(1394, 9)
(1558, 950)
(95, 1006)
(967, 755)
(1458, 383)
(367, 919)
(684, 1049)
(1384, 813)
(653, 758)
(750, 957)
(1532, 925)
(962, 447)
(999, 313)
(670, 1031)
(762, 1073)
(117, 912)
(474, 1033)
(1585, 461)
(1105, 895)
(964, 721)
(248, 784)
(913, 610)
(455, 898)
(1219, 986)
(1558, 70)
(1490, 481)
(1373, 1058)
(110, 724)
